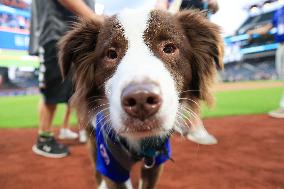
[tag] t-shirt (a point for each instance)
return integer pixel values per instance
(278, 22)
(192, 4)
(114, 7)
(116, 163)
(49, 21)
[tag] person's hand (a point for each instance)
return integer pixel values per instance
(250, 32)
(98, 18)
(213, 6)
(80, 9)
(101, 19)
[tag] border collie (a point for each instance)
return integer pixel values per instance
(136, 75)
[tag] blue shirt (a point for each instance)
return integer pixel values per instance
(278, 22)
(106, 162)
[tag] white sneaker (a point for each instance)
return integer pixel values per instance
(201, 136)
(83, 136)
(279, 113)
(67, 134)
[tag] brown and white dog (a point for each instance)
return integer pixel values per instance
(143, 70)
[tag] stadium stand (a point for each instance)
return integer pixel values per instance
(16, 76)
(252, 58)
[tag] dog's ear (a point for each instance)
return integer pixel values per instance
(206, 46)
(77, 43)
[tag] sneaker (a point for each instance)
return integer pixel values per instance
(201, 136)
(83, 136)
(279, 113)
(48, 147)
(67, 134)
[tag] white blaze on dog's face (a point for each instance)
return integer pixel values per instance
(140, 67)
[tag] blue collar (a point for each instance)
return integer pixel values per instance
(150, 146)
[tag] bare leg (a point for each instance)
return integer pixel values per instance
(66, 119)
(65, 132)
(196, 120)
(46, 115)
(197, 133)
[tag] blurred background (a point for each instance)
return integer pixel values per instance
(244, 59)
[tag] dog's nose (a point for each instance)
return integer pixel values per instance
(141, 100)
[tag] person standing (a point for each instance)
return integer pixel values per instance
(50, 21)
(278, 23)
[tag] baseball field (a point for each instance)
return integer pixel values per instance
(249, 154)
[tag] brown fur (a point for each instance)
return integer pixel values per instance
(198, 46)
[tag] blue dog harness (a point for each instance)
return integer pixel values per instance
(114, 157)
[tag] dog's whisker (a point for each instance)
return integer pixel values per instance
(184, 126)
(184, 117)
(97, 107)
(189, 91)
(104, 84)
(107, 128)
(97, 97)
(102, 110)
(92, 103)
(191, 101)
(179, 126)
(182, 123)
(194, 113)
(188, 112)
(99, 121)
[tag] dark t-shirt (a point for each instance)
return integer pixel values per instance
(49, 21)
(192, 4)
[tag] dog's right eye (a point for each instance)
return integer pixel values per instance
(111, 54)
(169, 48)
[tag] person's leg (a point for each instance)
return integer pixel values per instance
(198, 134)
(49, 84)
(65, 131)
(46, 115)
(193, 128)
(66, 119)
(279, 113)
(281, 70)
(82, 130)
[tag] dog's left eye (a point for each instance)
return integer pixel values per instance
(111, 54)
(169, 48)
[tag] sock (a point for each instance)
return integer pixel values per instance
(45, 133)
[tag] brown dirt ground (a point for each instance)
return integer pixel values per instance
(249, 155)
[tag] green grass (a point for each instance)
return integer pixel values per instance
(9, 58)
(21, 111)
(242, 102)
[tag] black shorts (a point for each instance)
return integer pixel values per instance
(51, 84)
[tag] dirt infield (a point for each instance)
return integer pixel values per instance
(249, 155)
